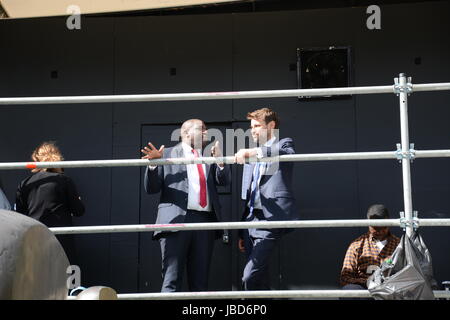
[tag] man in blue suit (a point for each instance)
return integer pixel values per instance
(188, 195)
(267, 194)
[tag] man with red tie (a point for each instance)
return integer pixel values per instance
(188, 195)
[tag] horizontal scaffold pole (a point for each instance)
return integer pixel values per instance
(245, 225)
(227, 160)
(219, 95)
(260, 294)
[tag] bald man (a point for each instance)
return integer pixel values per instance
(188, 195)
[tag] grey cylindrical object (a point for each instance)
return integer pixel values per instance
(32, 262)
(97, 293)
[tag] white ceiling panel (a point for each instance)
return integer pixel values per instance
(45, 8)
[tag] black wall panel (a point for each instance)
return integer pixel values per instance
(231, 52)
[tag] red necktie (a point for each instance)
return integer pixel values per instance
(202, 180)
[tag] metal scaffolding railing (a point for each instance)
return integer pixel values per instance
(224, 95)
(263, 294)
(228, 160)
(405, 153)
(246, 225)
(207, 160)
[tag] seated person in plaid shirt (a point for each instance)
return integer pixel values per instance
(366, 253)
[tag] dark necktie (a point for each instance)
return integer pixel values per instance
(254, 188)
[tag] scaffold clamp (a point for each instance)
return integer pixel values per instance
(398, 88)
(414, 222)
(403, 222)
(410, 154)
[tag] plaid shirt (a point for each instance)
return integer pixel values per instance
(363, 253)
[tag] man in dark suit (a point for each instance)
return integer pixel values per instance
(267, 194)
(188, 195)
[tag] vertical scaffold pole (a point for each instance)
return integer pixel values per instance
(403, 91)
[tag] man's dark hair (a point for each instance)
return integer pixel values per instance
(266, 115)
(377, 211)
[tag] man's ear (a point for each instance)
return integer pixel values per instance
(271, 125)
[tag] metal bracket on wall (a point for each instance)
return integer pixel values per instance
(411, 154)
(408, 88)
(226, 237)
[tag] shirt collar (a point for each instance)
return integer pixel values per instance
(388, 238)
(270, 142)
(188, 150)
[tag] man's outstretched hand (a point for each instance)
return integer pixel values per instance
(151, 152)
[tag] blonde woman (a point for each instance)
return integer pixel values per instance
(48, 195)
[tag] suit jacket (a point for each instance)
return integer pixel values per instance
(172, 182)
(276, 194)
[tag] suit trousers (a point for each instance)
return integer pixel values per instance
(259, 245)
(190, 250)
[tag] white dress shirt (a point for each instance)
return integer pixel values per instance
(194, 181)
(381, 244)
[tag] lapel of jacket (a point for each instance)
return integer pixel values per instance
(247, 176)
(207, 169)
(268, 166)
(179, 153)
(264, 176)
